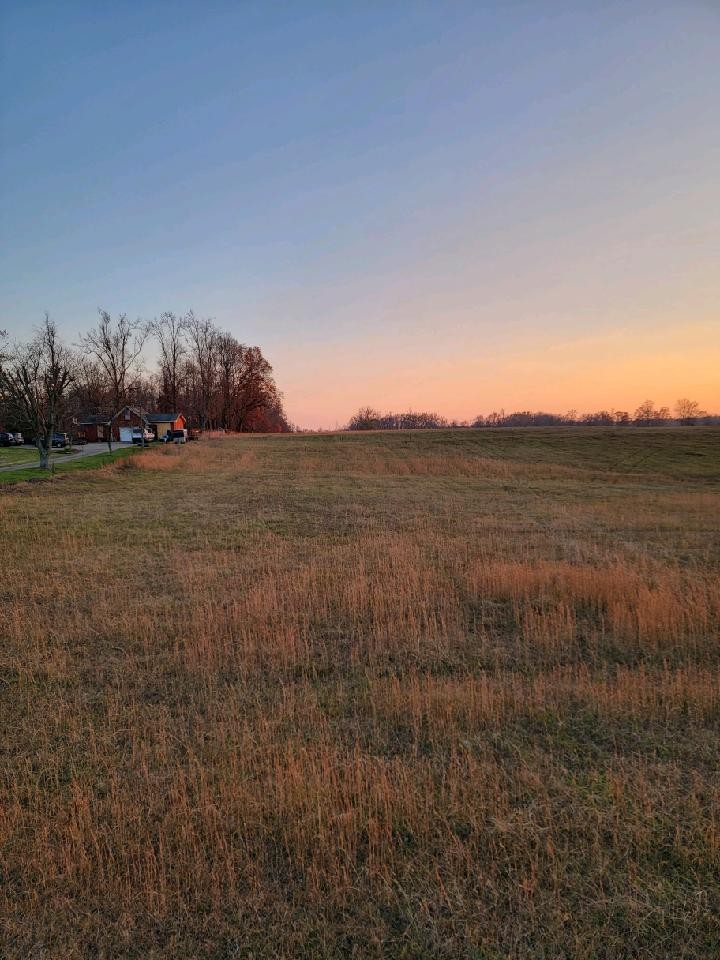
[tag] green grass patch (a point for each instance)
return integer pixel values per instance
(12, 455)
(91, 462)
(682, 453)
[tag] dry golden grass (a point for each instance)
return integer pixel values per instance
(364, 696)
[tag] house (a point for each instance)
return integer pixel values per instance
(93, 428)
(129, 418)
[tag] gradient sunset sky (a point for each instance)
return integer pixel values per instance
(448, 206)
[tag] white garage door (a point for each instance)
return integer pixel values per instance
(126, 434)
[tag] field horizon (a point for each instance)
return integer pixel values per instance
(423, 694)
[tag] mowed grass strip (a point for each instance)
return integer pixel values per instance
(9, 456)
(388, 696)
(64, 461)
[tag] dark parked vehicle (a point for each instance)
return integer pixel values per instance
(60, 440)
(7, 439)
(175, 436)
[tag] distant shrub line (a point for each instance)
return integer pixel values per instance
(687, 413)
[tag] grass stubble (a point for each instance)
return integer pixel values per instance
(387, 696)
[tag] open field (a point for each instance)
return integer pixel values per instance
(428, 695)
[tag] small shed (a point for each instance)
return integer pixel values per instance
(161, 423)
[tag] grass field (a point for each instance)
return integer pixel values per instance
(418, 695)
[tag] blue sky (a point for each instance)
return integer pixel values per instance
(450, 205)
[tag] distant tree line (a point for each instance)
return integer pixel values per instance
(202, 371)
(686, 412)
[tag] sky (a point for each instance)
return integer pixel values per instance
(444, 206)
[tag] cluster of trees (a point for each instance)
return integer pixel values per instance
(687, 413)
(368, 419)
(202, 371)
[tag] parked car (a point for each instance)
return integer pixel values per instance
(18, 438)
(178, 436)
(138, 435)
(7, 439)
(60, 440)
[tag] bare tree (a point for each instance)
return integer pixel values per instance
(34, 380)
(169, 331)
(366, 418)
(229, 360)
(645, 413)
(203, 337)
(117, 347)
(91, 392)
(688, 412)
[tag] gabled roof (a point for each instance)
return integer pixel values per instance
(161, 417)
(136, 410)
(149, 417)
(93, 418)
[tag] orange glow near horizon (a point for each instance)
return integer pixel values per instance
(617, 370)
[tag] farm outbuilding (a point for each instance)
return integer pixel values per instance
(161, 423)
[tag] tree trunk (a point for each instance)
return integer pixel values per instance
(43, 446)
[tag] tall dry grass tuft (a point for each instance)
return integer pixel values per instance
(153, 459)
